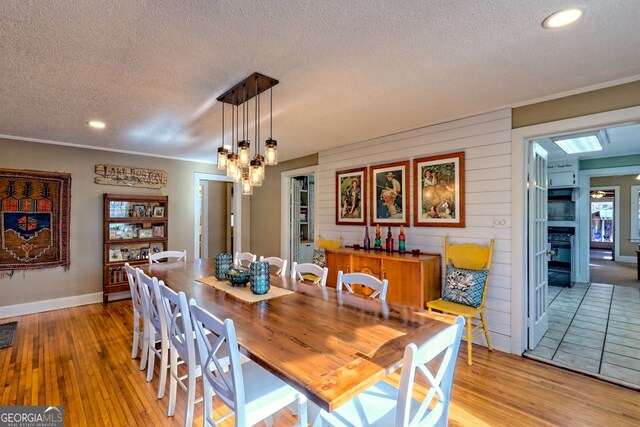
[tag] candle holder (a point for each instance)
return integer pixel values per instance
(259, 271)
(223, 264)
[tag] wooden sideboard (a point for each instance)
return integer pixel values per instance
(413, 280)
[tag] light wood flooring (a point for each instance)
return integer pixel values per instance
(80, 358)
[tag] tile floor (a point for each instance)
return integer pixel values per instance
(594, 329)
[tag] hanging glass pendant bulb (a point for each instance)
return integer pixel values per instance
(232, 165)
(262, 168)
(222, 151)
(244, 153)
(222, 158)
(255, 173)
(271, 152)
(247, 188)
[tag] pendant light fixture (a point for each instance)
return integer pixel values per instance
(271, 144)
(237, 161)
(222, 150)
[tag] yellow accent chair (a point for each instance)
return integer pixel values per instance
(471, 257)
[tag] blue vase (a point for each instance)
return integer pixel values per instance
(223, 264)
(259, 272)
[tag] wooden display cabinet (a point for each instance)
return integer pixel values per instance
(413, 280)
(134, 227)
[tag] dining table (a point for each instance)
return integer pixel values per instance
(328, 344)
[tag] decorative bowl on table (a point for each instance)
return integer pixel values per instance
(238, 277)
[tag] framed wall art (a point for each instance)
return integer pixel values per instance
(390, 194)
(351, 197)
(439, 191)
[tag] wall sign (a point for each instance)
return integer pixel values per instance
(130, 177)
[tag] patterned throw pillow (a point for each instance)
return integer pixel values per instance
(464, 286)
(318, 257)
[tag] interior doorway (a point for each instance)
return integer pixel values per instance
(603, 211)
(216, 210)
(298, 207)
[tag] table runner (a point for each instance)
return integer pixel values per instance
(241, 292)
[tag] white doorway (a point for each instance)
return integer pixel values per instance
(299, 199)
(521, 138)
(216, 211)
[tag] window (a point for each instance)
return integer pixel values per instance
(635, 214)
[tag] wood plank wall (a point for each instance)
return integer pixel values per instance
(486, 141)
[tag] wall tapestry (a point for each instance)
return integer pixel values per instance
(130, 177)
(35, 208)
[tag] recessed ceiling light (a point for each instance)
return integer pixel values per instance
(562, 18)
(96, 124)
(579, 143)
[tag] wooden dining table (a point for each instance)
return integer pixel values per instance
(328, 344)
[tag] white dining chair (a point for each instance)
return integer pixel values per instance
(181, 348)
(378, 286)
(243, 259)
(251, 392)
(310, 272)
(138, 316)
(280, 263)
(176, 255)
(157, 322)
(384, 405)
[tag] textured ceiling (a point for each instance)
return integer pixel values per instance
(348, 70)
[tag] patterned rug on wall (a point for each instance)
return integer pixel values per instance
(35, 208)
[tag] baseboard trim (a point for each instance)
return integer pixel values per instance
(627, 259)
(48, 305)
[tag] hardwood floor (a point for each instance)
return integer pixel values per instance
(80, 358)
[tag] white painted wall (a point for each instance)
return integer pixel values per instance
(486, 141)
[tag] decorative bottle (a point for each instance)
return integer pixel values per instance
(367, 242)
(389, 241)
(378, 241)
(402, 248)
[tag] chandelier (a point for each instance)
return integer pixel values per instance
(237, 161)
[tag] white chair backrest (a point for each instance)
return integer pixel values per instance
(132, 277)
(415, 360)
(150, 289)
(278, 262)
(321, 273)
(243, 259)
(379, 286)
(179, 324)
(178, 255)
(217, 345)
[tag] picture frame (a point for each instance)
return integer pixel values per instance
(115, 255)
(145, 233)
(390, 194)
(155, 248)
(351, 197)
(140, 211)
(158, 231)
(144, 253)
(438, 191)
(134, 254)
(158, 211)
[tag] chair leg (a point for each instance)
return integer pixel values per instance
(469, 340)
(145, 346)
(164, 360)
(302, 410)
(207, 403)
(173, 382)
(136, 336)
(151, 359)
(486, 331)
(191, 399)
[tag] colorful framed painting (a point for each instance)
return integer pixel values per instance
(390, 194)
(438, 195)
(351, 197)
